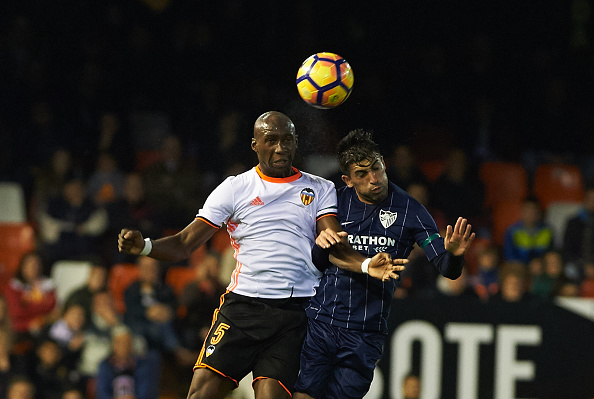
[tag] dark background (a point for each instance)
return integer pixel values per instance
(427, 73)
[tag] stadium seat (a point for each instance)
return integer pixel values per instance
(177, 277)
(557, 214)
(12, 198)
(504, 182)
(557, 183)
(16, 239)
(432, 169)
(120, 277)
(69, 275)
(504, 215)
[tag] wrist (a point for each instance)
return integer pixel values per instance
(148, 247)
(365, 266)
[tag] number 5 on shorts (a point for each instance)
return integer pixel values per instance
(218, 334)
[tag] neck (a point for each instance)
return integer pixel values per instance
(277, 174)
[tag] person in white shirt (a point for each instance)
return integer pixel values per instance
(273, 213)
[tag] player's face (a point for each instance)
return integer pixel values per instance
(369, 180)
(275, 143)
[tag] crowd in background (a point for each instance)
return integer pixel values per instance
(127, 114)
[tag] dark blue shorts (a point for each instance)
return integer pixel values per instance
(336, 362)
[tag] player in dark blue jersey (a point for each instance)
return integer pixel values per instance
(348, 316)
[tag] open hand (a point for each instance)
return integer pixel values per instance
(458, 239)
(384, 268)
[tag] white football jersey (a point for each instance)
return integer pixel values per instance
(272, 226)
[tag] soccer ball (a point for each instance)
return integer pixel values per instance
(325, 80)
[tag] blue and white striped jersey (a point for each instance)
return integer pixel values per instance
(358, 301)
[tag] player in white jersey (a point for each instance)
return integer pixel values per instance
(273, 213)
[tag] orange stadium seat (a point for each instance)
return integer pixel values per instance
(16, 239)
(504, 182)
(558, 183)
(177, 277)
(120, 277)
(504, 215)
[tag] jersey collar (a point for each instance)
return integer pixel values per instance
(288, 179)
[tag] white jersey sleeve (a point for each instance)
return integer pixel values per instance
(219, 205)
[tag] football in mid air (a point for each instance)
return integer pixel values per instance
(325, 80)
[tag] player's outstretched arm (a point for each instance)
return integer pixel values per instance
(381, 266)
(173, 248)
(458, 238)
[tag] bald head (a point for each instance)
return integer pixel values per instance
(273, 121)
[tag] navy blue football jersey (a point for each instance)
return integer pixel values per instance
(356, 300)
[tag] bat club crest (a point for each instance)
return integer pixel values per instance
(307, 196)
(387, 218)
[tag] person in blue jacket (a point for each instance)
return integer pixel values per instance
(125, 374)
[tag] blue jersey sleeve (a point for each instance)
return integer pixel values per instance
(449, 266)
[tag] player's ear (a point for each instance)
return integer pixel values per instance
(296, 141)
(253, 145)
(347, 180)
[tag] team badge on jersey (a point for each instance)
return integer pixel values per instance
(210, 350)
(307, 196)
(387, 218)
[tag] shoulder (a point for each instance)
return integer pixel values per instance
(240, 179)
(316, 179)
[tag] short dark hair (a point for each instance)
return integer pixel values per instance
(356, 147)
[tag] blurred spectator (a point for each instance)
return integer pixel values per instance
(114, 138)
(544, 284)
(72, 393)
(51, 374)
(83, 296)
(587, 284)
(578, 240)
(31, 297)
(459, 288)
(49, 180)
(411, 387)
(132, 210)
(20, 387)
(125, 374)
(106, 183)
(402, 169)
(512, 284)
(70, 225)
(567, 289)
(97, 337)
(199, 299)
(420, 191)
(5, 325)
(173, 186)
(529, 237)
(67, 331)
(150, 310)
(10, 363)
(459, 191)
(486, 281)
